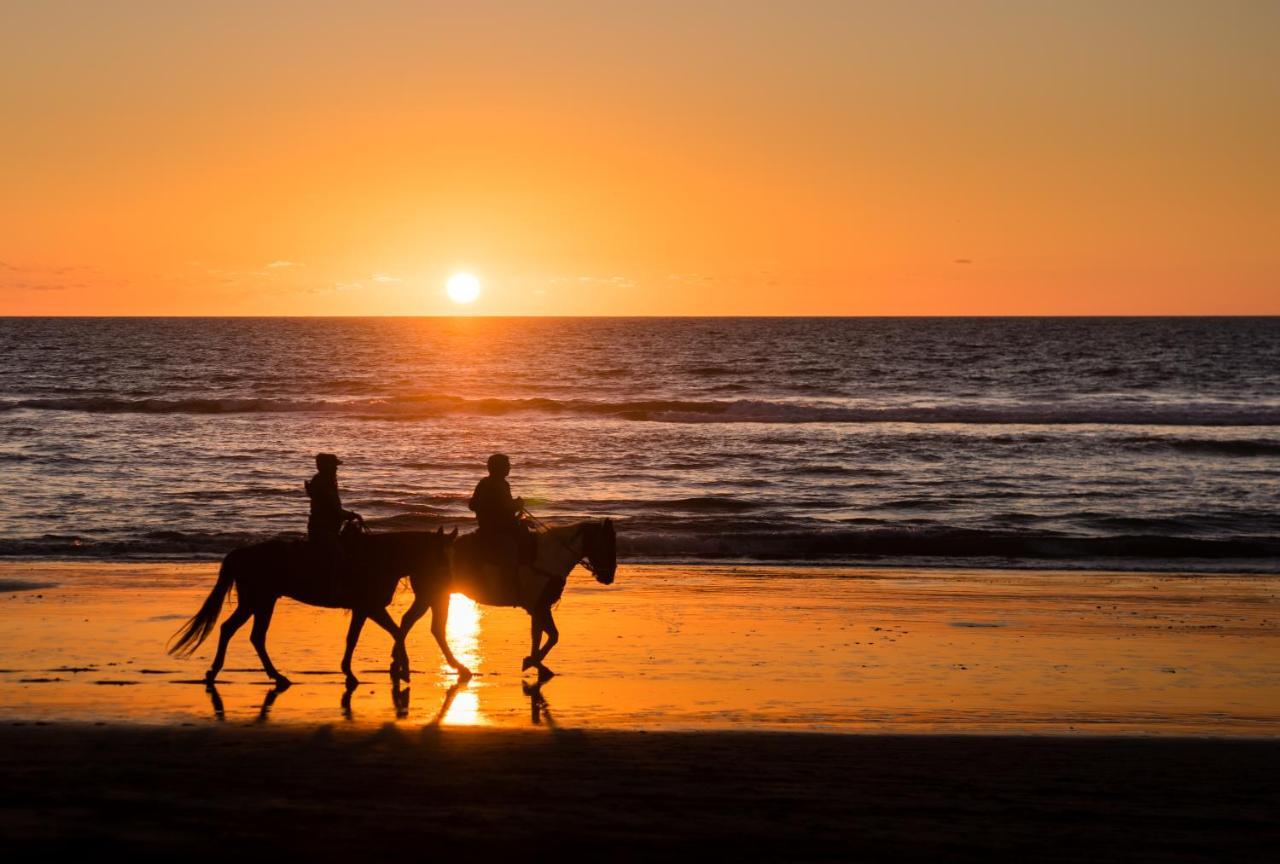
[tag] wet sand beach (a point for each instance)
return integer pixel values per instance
(696, 647)
(754, 712)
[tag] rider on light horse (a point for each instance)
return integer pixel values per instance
(501, 532)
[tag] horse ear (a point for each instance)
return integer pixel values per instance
(453, 533)
(440, 531)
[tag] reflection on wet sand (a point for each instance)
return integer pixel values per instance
(539, 713)
(219, 709)
(459, 707)
(264, 711)
(399, 700)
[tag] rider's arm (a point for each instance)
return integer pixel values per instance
(331, 500)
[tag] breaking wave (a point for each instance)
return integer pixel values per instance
(1211, 447)
(693, 411)
(879, 544)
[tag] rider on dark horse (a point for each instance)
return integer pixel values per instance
(327, 519)
(501, 531)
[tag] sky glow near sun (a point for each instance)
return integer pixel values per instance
(666, 158)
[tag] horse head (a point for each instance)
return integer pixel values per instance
(441, 554)
(602, 551)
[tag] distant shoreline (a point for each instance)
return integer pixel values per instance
(1152, 317)
(827, 567)
(1055, 566)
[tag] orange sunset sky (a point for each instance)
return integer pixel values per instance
(649, 158)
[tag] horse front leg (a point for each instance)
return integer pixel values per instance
(535, 634)
(439, 629)
(411, 616)
(540, 623)
(353, 636)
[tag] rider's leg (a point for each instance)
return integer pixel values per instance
(337, 569)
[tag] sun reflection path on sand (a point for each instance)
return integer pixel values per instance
(464, 632)
(464, 638)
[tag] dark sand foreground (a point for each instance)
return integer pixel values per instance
(451, 794)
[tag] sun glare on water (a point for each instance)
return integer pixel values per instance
(462, 288)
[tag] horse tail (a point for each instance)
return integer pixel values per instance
(200, 625)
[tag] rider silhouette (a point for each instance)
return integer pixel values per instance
(324, 525)
(498, 514)
(327, 515)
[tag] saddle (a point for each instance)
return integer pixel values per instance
(329, 566)
(500, 568)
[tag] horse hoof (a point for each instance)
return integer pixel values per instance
(545, 674)
(352, 682)
(282, 683)
(210, 677)
(464, 674)
(527, 664)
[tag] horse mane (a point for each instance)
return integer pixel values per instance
(580, 525)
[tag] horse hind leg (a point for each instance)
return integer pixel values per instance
(415, 611)
(258, 636)
(353, 636)
(234, 622)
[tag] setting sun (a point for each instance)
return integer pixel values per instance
(463, 288)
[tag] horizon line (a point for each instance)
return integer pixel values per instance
(645, 316)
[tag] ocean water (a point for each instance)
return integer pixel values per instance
(1042, 442)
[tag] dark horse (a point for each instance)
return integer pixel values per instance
(536, 588)
(262, 573)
